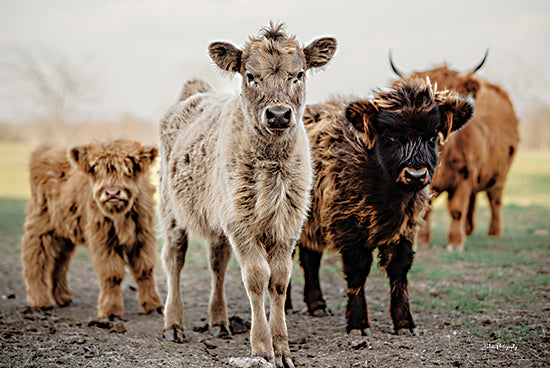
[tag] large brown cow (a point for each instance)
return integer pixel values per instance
(476, 159)
(373, 160)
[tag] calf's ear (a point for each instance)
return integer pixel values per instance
(145, 158)
(319, 52)
(455, 111)
(361, 116)
(226, 56)
(78, 155)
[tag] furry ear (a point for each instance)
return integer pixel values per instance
(79, 156)
(145, 158)
(226, 56)
(361, 116)
(319, 52)
(469, 87)
(455, 111)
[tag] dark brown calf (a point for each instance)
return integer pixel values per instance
(373, 160)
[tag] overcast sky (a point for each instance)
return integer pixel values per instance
(136, 54)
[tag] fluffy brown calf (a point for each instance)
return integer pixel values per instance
(98, 195)
(373, 160)
(476, 159)
(236, 171)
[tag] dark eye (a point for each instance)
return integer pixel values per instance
(300, 76)
(249, 77)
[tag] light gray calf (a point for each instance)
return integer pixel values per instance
(236, 171)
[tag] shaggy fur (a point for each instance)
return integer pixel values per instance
(373, 160)
(236, 171)
(98, 195)
(475, 160)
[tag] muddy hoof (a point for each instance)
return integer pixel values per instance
(407, 332)
(219, 331)
(357, 332)
(174, 334)
(256, 362)
(284, 361)
(321, 312)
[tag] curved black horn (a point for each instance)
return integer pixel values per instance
(481, 63)
(399, 73)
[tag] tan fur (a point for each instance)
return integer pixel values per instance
(228, 176)
(98, 195)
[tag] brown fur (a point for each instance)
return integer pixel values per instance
(363, 197)
(236, 171)
(98, 195)
(475, 160)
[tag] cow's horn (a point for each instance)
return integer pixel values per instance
(399, 73)
(481, 63)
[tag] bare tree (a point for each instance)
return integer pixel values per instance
(56, 88)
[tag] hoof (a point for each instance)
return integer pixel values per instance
(283, 361)
(452, 247)
(407, 332)
(321, 312)
(220, 331)
(174, 334)
(357, 332)
(255, 362)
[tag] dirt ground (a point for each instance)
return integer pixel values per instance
(68, 337)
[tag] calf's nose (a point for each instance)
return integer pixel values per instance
(278, 117)
(412, 176)
(112, 192)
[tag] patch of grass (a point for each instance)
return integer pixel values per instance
(12, 216)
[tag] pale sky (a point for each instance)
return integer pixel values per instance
(138, 53)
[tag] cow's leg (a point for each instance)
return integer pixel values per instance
(469, 225)
(357, 261)
(256, 274)
(397, 260)
(288, 300)
(142, 259)
(173, 258)
(494, 194)
(61, 292)
(458, 206)
(424, 231)
(280, 264)
(310, 261)
(109, 266)
(219, 256)
(37, 257)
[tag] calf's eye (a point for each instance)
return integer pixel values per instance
(299, 76)
(249, 77)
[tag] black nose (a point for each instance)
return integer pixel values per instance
(278, 117)
(412, 176)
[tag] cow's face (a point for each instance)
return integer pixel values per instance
(465, 84)
(403, 127)
(273, 69)
(114, 169)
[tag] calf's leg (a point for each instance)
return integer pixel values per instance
(469, 225)
(280, 264)
(256, 275)
(37, 255)
(357, 261)
(219, 256)
(142, 260)
(310, 261)
(109, 266)
(173, 258)
(397, 260)
(61, 292)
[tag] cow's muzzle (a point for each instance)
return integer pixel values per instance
(414, 177)
(278, 117)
